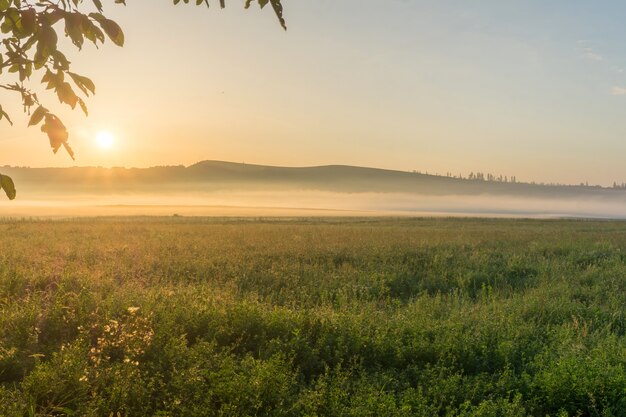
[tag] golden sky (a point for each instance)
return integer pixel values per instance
(527, 89)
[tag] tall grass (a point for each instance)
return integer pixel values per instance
(334, 317)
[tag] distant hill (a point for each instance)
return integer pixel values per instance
(219, 175)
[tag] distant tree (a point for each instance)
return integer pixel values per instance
(29, 45)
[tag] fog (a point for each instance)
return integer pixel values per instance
(39, 203)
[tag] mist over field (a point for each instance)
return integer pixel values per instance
(225, 189)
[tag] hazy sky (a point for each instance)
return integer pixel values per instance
(529, 88)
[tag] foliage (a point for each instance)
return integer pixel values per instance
(31, 48)
(6, 183)
(201, 317)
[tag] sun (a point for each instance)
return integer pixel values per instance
(105, 140)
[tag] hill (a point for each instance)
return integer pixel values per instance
(214, 188)
(220, 175)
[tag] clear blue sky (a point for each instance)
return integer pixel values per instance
(530, 88)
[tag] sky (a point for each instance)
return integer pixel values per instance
(530, 88)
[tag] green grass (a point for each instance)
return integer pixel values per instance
(335, 317)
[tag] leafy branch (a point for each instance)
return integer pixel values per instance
(29, 45)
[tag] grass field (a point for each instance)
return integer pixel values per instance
(312, 317)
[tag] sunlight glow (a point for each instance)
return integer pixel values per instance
(105, 140)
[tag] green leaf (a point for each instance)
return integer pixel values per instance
(112, 29)
(46, 45)
(84, 83)
(6, 183)
(29, 20)
(276, 5)
(60, 61)
(5, 115)
(56, 131)
(91, 31)
(69, 150)
(278, 10)
(66, 94)
(74, 29)
(83, 106)
(98, 5)
(37, 116)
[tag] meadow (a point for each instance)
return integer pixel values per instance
(312, 317)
